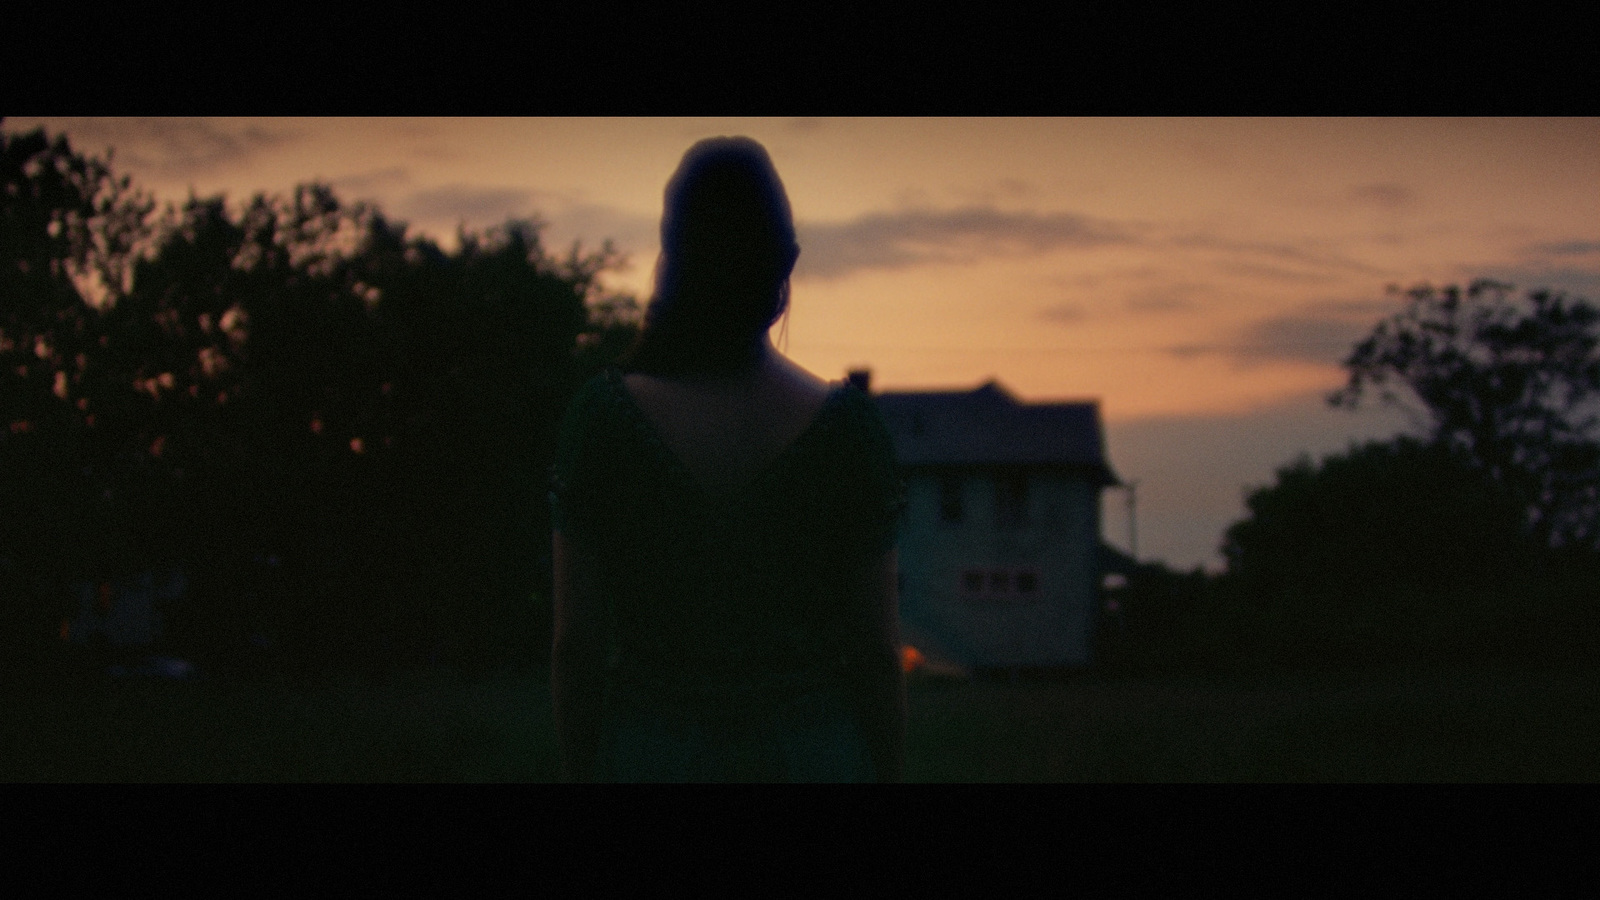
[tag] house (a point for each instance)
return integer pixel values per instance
(1000, 551)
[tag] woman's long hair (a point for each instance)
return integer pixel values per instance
(727, 248)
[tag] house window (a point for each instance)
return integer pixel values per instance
(1011, 499)
(1000, 585)
(950, 498)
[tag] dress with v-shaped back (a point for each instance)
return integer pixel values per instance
(726, 608)
(722, 440)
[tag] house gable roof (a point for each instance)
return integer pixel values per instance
(988, 426)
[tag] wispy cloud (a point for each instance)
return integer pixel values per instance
(1278, 273)
(178, 147)
(365, 185)
(1583, 281)
(915, 237)
(1280, 261)
(440, 210)
(594, 224)
(1300, 338)
(1166, 298)
(1157, 300)
(1063, 312)
(466, 203)
(1384, 194)
(1319, 333)
(1569, 248)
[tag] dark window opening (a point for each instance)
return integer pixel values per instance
(950, 498)
(1011, 499)
(1000, 585)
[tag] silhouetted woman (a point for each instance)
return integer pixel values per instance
(724, 525)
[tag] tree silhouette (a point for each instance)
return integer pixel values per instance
(1390, 551)
(1512, 381)
(341, 429)
(66, 227)
(1474, 541)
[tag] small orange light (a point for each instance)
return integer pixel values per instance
(910, 658)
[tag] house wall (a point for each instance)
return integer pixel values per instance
(1056, 542)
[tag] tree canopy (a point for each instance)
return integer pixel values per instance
(1511, 380)
(340, 428)
(1386, 551)
(1475, 538)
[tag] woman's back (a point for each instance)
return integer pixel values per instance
(726, 430)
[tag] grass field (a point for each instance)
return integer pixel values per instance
(439, 727)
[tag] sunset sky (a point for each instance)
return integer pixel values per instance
(1200, 278)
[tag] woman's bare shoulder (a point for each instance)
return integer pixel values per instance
(801, 382)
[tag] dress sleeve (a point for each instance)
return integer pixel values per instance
(879, 491)
(567, 475)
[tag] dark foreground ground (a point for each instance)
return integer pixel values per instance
(438, 726)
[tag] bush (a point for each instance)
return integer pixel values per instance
(1393, 552)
